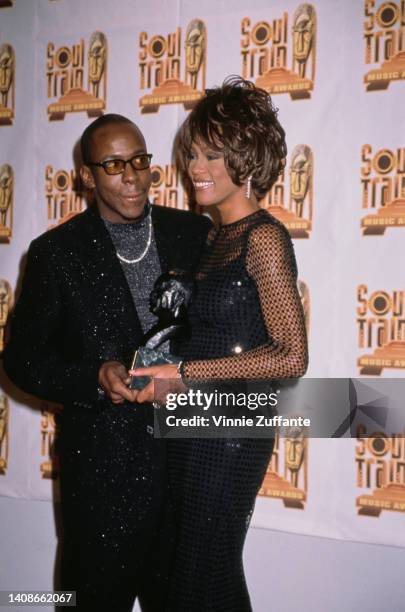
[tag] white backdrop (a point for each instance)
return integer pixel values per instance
(62, 60)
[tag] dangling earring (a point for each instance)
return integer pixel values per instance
(248, 191)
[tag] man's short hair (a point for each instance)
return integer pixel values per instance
(86, 138)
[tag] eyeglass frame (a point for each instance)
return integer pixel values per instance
(125, 161)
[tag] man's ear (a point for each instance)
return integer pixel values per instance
(87, 177)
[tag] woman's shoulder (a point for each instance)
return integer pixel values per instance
(270, 241)
(265, 226)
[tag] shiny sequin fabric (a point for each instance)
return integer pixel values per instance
(247, 322)
(247, 317)
(75, 312)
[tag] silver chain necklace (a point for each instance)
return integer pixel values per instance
(148, 243)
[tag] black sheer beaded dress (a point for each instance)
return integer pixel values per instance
(247, 322)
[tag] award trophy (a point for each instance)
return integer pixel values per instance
(168, 300)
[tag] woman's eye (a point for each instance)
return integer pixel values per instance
(208, 156)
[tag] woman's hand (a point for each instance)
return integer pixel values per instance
(169, 382)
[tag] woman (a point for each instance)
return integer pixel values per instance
(246, 321)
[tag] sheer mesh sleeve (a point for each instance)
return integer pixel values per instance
(270, 262)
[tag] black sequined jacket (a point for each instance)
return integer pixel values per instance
(75, 310)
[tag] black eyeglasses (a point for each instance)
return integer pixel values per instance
(117, 166)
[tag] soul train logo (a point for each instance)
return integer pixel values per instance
(49, 431)
(381, 326)
(160, 62)
(6, 202)
(303, 291)
(296, 215)
(287, 474)
(384, 39)
(7, 84)
(64, 195)
(6, 303)
(383, 189)
(380, 463)
(165, 188)
(264, 50)
(4, 434)
(65, 75)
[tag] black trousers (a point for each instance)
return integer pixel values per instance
(118, 533)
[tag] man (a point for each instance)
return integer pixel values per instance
(83, 309)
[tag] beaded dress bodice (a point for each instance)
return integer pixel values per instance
(241, 315)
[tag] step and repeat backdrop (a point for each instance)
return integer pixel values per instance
(336, 71)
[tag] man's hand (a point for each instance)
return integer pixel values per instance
(114, 380)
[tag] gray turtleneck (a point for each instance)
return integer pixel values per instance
(130, 240)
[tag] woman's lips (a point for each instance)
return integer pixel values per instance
(202, 185)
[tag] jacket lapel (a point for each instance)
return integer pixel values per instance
(164, 243)
(172, 241)
(109, 285)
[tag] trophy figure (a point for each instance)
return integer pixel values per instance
(168, 300)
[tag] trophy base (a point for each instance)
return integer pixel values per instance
(146, 357)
